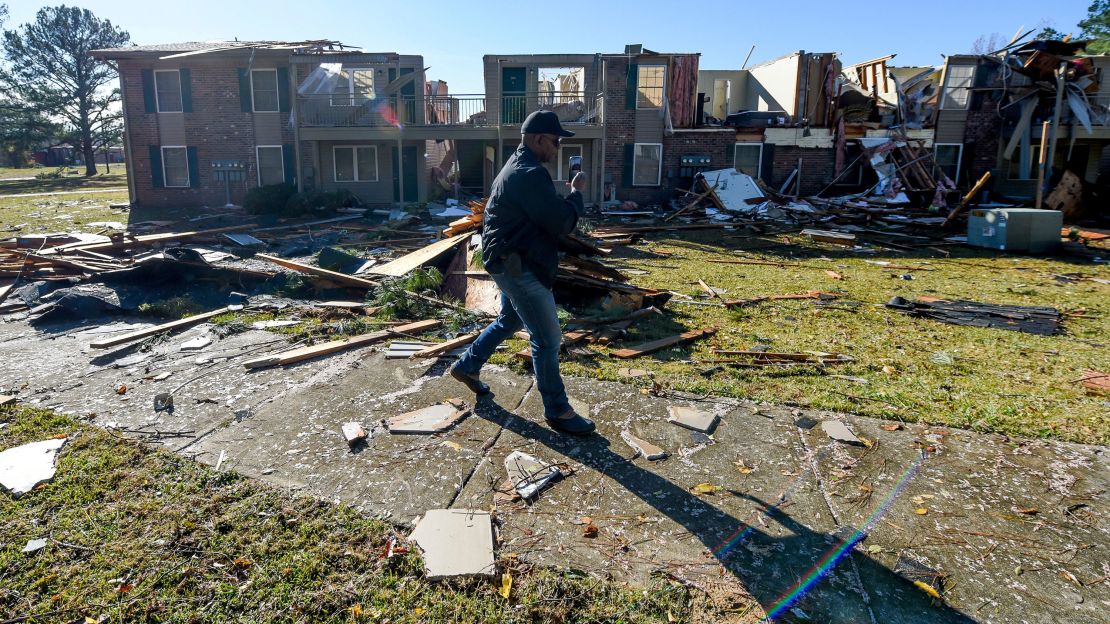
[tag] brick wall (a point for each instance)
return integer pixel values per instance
(217, 127)
(818, 166)
(981, 143)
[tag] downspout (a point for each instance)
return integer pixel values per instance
(499, 152)
(600, 190)
(296, 127)
(132, 196)
(1055, 122)
(400, 144)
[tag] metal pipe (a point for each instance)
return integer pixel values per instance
(1055, 121)
(296, 131)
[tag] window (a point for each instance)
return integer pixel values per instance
(175, 166)
(271, 165)
(264, 90)
(565, 154)
(167, 83)
(354, 87)
(947, 157)
(649, 85)
(356, 163)
(748, 158)
(1014, 171)
(647, 164)
(957, 86)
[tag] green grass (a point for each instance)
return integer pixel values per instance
(66, 182)
(60, 213)
(999, 380)
(137, 534)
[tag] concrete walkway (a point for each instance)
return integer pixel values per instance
(1017, 528)
(77, 192)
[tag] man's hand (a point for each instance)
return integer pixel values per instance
(578, 183)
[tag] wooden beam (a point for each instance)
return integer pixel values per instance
(445, 347)
(663, 343)
(967, 198)
(157, 329)
(341, 278)
(144, 239)
(406, 263)
(1040, 164)
(305, 353)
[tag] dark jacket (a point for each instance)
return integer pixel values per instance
(526, 217)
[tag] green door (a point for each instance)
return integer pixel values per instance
(408, 162)
(512, 94)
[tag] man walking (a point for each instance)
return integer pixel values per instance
(524, 220)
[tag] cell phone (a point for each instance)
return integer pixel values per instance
(575, 166)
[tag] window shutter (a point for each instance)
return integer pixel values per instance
(629, 161)
(289, 164)
(245, 103)
(633, 76)
(156, 167)
(148, 91)
(186, 90)
(768, 162)
(194, 166)
(283, 89)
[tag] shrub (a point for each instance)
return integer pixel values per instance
(269, 199)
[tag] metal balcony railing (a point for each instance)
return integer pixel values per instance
(346, 110)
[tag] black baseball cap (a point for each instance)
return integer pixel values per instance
(544, 122)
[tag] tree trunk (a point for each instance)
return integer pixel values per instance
(107, 167)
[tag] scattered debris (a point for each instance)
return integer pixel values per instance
(157, 329)
(455, 542)
(663, 343)
(24, 467)
(7, 399)
(1096, 382)
(34, 545)
(646, 449)
(274, 324)
(840, 432)
(529, 475)
(196, 344)
(433, 419)
(305, 353)
(1029, 319)
(694, 419)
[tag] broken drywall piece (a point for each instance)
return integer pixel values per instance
(455, 542)
(648, 450)
(528, 474)
(434, 419)
(34, 545)
(840, 432)
(24, 467)
(274, 324)
(692, 418)
(737, 191)
(196, 344)
(354, 433)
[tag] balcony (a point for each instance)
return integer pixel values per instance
(347, 111)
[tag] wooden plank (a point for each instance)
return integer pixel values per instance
(69, 264)
(967, 198)
(305, 353)
(146, 238)
(406, 263)
(157, 329)
(445, 347)
(341, 278)
(663, 343)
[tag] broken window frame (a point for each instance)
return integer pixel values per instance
(958, 163)
(354, 163)
(350, 96)
(636, 157)
(759, 160)
(158, 92)
(185, 161)
(963, 100)
(255, 91)
(563, 159)
(258, 163)
(642, 96)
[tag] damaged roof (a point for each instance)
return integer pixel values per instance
(163, 50)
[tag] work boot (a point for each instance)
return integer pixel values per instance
(571, 422)
(468, 380)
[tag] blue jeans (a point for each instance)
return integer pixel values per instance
(525, 302)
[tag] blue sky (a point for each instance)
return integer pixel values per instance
(453, 36)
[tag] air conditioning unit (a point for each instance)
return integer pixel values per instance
(1015, 229)
(634, 48)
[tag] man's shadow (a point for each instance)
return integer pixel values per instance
(779, 572)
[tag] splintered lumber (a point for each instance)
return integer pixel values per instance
(828, 236)
(145, 239)
(341, 278)
(69, 264)
(445, 347)
(967, 198)
(663, 343)
(406, 263)
(305, 353)
(157, 329)
(693, 203)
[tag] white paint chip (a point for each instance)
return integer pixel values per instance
(196, 344)
(648, 450)
(840, 432)
(24, 467)
(528, 474)
(34, 545)
(434, 419)
(455, 542)
(691, 418)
